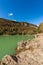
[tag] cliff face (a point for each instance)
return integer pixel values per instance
(13, 27)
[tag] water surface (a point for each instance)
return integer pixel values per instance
(9, 43)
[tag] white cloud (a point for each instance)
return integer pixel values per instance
(14, 20)
(37, 25)
(10, 14)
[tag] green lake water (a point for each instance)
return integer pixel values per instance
(9, 43)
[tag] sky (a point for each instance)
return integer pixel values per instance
(22, 10)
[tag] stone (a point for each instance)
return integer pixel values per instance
(8, 60)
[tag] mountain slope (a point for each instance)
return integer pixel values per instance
(13, 27)
(40, 27)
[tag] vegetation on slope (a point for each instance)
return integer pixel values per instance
(40, 28)
(13, 27)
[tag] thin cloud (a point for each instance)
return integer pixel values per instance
(37, 25)
(10, 14)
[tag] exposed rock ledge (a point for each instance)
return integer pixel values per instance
(28, 53)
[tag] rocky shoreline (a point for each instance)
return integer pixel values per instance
(28, 52)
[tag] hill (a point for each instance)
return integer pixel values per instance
(13, 27)
(40, 28)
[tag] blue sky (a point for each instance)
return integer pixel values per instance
(22, 10)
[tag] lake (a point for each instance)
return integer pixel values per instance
(9, 43)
